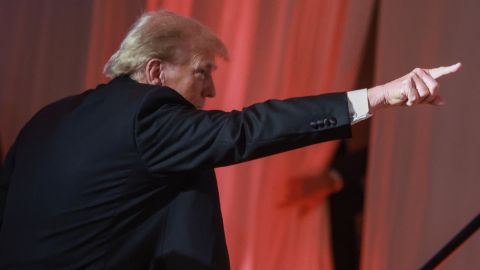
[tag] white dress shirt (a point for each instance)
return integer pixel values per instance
(358, 105)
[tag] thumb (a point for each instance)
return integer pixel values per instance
(438, 101)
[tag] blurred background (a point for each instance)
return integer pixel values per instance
(411, 178)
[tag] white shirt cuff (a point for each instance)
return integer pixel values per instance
(358, 105)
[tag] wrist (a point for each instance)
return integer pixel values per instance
(376, 98)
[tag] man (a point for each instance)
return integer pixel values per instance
(121, 177)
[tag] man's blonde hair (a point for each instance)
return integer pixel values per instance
(160, 34)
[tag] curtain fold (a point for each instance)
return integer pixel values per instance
(110, 22)
(423, 173)
(44, 54)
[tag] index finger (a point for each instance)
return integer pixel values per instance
(442, 71)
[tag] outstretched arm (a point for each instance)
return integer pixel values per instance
(174, 137)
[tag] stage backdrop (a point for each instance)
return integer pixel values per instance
(424, 174)
(278, 49)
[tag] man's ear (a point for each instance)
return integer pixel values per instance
(155, 72)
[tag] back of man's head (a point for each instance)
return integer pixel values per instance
(160, 34)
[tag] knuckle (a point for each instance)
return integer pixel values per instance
(424, 94)
(414, 98)
(433, 86)
(417, 70)
(409, 81)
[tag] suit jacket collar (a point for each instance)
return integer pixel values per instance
(168, 91)
(122, 79)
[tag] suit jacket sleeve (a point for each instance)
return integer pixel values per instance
(171, 135)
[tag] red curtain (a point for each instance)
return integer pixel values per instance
(423, 170)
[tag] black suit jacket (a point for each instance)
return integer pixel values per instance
(121, 177)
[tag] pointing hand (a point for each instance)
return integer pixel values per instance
(417, 87)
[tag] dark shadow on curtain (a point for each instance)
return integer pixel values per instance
(346, 206)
